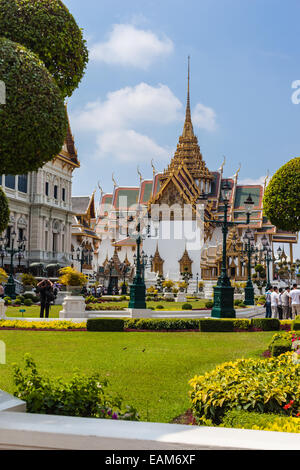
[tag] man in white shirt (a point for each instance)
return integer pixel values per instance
(274, 302)
(285, 299)
(295, 300)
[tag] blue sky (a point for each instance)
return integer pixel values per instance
(130, 105)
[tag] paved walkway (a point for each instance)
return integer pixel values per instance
(255, 312)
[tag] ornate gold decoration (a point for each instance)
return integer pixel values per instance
(188, 150)
(185, 262)
(158, 263)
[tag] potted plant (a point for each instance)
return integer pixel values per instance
(73, 280)
(28, 281)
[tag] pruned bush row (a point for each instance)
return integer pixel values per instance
(202, 324)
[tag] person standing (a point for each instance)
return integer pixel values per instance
(268, 302)
(274, 302)
(285, 299)
(280, 311)
(45, 289)
(295, 300)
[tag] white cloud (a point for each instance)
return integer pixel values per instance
(204, 117)
(129, 46)
(249, 181)
(129, 106)
(129, 146)
(119, 121)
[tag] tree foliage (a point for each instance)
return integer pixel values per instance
(4, 211)
(47, 28)
(282, 197)
(33, 122)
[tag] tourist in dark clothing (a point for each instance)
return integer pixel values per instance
(45, 289)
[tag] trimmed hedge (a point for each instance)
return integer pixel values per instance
(4, 213)
(211, 324)
(265, 324)
(47, 28)
(296, 325)
(260, 421)
(280, 347)
(203, 324)
(105, 324)
(161, 324)
(34, 121)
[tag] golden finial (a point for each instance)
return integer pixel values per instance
(140, 175)
(188, 127)
(266, 179)
(114, 181)
(153, 168)
(100, 189)
(223, 164)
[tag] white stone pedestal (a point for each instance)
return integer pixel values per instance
(181, 297)
(168, 295)
(73, 307)
(140, 313)
(2, 309)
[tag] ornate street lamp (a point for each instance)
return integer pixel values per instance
(138, 288)
(124, 268)
(10, 288)
(2, 251)
(266, 250)
(249, 250)
(223, 292)
(82, 255)
(111, 264)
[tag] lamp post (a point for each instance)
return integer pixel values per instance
(2, 251)
(10, 288)
(197, 280)
(111, 264)
(267, 257)
(124, 268)
(82, 255)
(223, 292)
(138, 288)
(249, 250)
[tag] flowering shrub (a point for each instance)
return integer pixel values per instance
(34, 325)
(84, 396)
(260, 421)
(71, 277)
(259, 385)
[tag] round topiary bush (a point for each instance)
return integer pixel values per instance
(28, 302)
(281, 201)
(4, 211)
(47, 28)
(209, 304)
(187, 307)
(33, 122)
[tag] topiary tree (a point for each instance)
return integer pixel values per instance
(47, 28)
(33, 122)
(281, 200)
(4, 210)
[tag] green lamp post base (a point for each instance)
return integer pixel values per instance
(223, 302)
(137, 296)
(249, 295)
(10, 288)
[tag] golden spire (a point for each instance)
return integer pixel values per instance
(188, 130)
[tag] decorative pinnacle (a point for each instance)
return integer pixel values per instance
(188, 126)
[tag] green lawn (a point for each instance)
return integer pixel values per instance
(152, 373)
